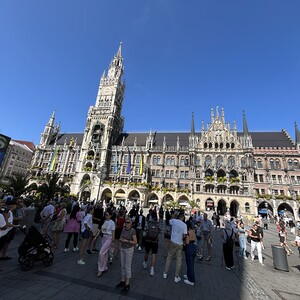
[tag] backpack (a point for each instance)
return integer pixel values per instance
(229, 240)
(152, 232)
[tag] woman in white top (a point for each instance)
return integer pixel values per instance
(108, 232)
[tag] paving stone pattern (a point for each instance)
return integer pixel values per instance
(65, 279)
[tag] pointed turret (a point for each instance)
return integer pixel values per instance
(193, 126)
(119, 53)
(245, 126)
(297, 135)
(48, 130)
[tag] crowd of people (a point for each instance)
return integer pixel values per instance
(119, 231)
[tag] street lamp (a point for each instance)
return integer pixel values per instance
(101, 175)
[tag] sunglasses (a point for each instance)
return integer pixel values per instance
(127, 222)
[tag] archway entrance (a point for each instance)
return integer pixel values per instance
(221, 207)
(209, 205)
(286, 210)
(234, 208)
(265, 208)
(106, 196)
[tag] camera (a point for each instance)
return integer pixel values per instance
(4, 210)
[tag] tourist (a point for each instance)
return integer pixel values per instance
(58, 225)
(72, 228)
(140, 222)
(190, 250)
(108, 238)
(127, 240)
(178, 233)
(228, 236)
(256, 238)
(242, 239)
(206, 228)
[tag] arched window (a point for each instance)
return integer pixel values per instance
(182, 161)
(186, 161)
(247, 207)
(154, 160)
(158, 160)
(290, 164)
(207, 161)
(168, 160)
(197, 161)
(277, 164)
(219, 162)
(172, 160)
(272, 164)
(259, 164)
(231, 162)
(296, 164)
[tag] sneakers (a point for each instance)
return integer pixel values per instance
(145, 264)
(188, 282)
(152, 271)
(140, 248)
(229, 269)
(66, 250)
(110, 261)
(262, 264)
(177, 279)
(88, 251)
(120, 284)
(126, 288)
(81, 262)
(75, 249)
(185, 276)
(165, 275)
(245, 257)
(208, 258)
(252, 258)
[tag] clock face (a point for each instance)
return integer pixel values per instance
(2, 143)
(107, 90)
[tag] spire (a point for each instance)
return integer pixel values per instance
(193, 126)
(52, 119)
(245, 126)
(297, 134)
(119, 54)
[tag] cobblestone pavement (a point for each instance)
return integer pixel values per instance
(65, 279)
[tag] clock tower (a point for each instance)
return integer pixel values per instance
(103, 126)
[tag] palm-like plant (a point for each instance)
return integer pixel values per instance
(50, 185)
(18, 184)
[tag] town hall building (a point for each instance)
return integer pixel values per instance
(217, 169)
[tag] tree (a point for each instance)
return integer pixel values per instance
(18, 184)
(50, 186)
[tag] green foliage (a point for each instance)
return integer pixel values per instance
(209, 178)
(50, 185)
(18, 185)
(222, 179)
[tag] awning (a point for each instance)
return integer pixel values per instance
(209, 203)
(153, 201)
(183, 204)
(120, 195)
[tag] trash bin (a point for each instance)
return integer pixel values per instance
(279, 258)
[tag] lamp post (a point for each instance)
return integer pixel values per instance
(101, 175)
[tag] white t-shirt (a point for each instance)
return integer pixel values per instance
(179, 228)
(48, 211)
(9, 221)
(2, 224)
(88, 219)
(297, 239)
(206, 225)
(108, 227)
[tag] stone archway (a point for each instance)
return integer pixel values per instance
(106, 196)
(285, 209)
(134, 197)
(234, 208)
(152, 200)
(120, 197)
(209, 205)
(221, 208)
(265, 208)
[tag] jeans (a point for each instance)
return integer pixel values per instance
(190, 253)
(174, 249)
(243, 245)
(75, 239)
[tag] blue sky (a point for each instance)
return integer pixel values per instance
(180, 57)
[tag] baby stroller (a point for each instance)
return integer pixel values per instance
(35, 247)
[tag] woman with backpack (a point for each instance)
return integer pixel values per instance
(228, 236)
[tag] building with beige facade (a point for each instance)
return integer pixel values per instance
(217, 168)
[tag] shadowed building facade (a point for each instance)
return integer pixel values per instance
(217, 168)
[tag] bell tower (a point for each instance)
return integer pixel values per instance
(103, 125)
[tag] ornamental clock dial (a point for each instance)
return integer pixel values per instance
(107, 90)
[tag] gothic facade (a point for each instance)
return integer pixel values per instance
(217, 168)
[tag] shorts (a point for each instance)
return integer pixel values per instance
(10, 235)
(153, 246)
(281, 239)
(85, 234)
